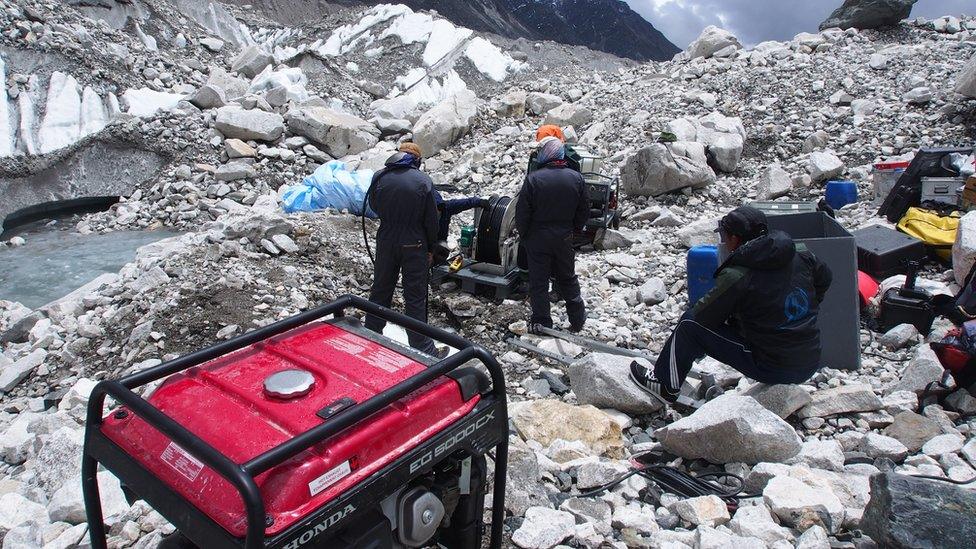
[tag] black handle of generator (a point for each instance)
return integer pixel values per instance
(242, 475)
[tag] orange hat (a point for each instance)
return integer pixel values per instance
(550, 130)
(412, 148)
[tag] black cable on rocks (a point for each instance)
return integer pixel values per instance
(675, 481)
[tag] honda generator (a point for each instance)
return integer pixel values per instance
(312, 432)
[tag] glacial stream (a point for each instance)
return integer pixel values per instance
(57, 260)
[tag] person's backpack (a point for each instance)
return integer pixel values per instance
(937, 229)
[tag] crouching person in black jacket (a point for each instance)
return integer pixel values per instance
(404, 199)
(551, 206)
(760, 318)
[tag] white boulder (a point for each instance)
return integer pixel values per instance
(447, 122)
(237, 123)
(800, 505)
(729, 429)
(661, 168)
(823, 166)
(712, 40)
(543, 528)
(966, 81)
(337, 133)
(964, 249)
(603, 380)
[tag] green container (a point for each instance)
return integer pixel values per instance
(467, 236)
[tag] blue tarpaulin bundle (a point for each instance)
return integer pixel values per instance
(331, 186)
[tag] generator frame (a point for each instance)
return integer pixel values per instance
(477, 432)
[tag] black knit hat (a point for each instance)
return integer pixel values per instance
(745, 222)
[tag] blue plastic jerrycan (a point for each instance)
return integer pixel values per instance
(840, 193)
(702, 264)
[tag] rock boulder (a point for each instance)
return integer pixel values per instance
(906, 512)
(447, 122)
(337, 133)
(603, 380)
(546, 421)
(235, 122)
(730, 429)
(869, 14)
(966, 81)
(712, 40)
(665, 167)
(251, 61)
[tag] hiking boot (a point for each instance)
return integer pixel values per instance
(441, 352)
(648, 382)
(536, 328)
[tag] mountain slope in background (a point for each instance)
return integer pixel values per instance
(605, 25)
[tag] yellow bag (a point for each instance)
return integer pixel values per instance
(937, 231)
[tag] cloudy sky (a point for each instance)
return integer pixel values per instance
(756, 20)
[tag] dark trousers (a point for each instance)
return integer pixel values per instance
(553, 258)
(391, 261)
(453, 207)
(691, 341)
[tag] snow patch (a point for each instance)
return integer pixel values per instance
(444, 38)
(25, 104)
(62, 115)
(489, 59)
(293, 79)
(144, 102)
(6, 129)
(444, 42)
(347, 37)
(430, 91)
(94, 117)
(411, 28)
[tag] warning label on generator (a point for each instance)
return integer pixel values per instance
(375, 355)
(182, 461)
(329, 478)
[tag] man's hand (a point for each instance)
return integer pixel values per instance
(430, 258)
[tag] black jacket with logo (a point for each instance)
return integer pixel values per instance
(770, 290)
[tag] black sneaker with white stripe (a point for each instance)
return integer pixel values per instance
(645, 379)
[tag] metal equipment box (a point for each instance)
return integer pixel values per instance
(840, 312)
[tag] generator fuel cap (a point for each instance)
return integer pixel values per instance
(289, 384)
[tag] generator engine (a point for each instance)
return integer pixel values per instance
(311, 433)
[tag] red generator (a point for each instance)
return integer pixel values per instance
(312, 432)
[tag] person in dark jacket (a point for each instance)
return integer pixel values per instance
(551, 206)
(760, 318)
(403, 198)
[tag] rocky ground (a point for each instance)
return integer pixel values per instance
(261, 111)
